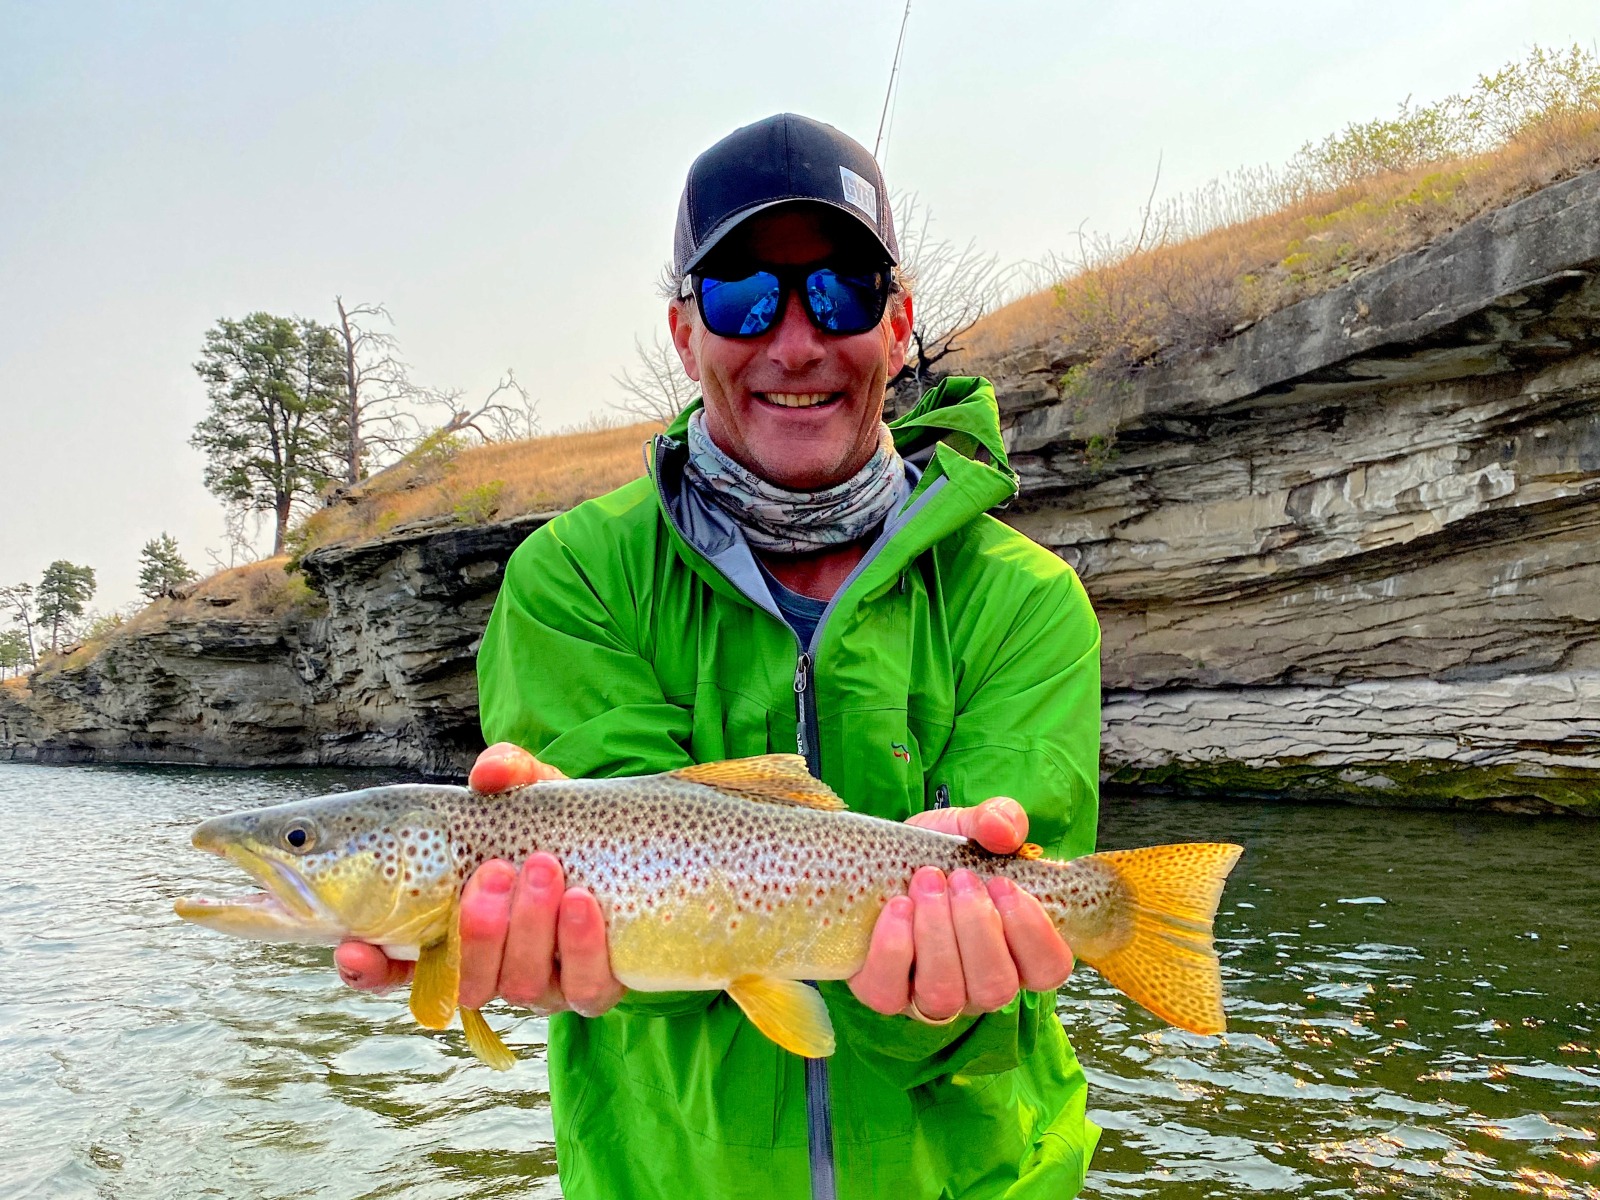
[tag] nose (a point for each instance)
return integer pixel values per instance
(795, 343)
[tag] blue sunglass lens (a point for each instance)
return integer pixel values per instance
(741, 307)
(845, 303)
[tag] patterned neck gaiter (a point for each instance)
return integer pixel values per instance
(779, 521)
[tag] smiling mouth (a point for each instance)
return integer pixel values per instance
(798, 399)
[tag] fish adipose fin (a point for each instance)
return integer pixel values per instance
(438, 975)
(788, 1012)
(485, 1042)
(1168, 964)
(769, 778)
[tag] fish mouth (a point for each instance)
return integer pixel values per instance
(287, 911)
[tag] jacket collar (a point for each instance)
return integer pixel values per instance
(953, 433)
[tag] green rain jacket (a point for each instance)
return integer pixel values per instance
(960, 661)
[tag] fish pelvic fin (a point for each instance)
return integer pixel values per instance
(768, 778)
(788, 1012)
(437, 978)
(485, 1042)
(1169, 965)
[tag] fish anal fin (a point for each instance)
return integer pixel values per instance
(788, 1012)
(768, 778)
(1030, 850)
(437, 977)
(485, 1042)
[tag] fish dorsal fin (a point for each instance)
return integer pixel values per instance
(438, 975)
(788, 1012)
(769, 778)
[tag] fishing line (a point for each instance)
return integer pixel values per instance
(886, 117)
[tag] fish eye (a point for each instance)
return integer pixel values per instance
(299, 836)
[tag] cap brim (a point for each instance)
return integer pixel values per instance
(729, 224)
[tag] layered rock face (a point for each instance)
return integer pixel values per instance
(384, 678)
(1354, 552)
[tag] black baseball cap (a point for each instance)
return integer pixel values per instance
(780, 160)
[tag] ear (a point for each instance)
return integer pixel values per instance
(900, 327)
(681, 327)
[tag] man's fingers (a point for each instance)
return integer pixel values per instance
(586, 980)
(937, 984)
(485, 915)
(999, 825)
(367, 968)
(1043, 959)
(884, 982)
(990, 975)
(506, 765)
(527, 969)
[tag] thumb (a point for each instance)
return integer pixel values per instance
(999, 825)
(506, 765)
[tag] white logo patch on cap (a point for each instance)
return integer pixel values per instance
(860, 193)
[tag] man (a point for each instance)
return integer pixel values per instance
(792, 574)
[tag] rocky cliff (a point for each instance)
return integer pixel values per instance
(383, 677)
(1353, 552)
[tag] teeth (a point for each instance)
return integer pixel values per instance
(798, 399)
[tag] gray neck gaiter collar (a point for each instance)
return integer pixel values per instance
(779, 521)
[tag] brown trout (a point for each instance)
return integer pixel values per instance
(746, 876)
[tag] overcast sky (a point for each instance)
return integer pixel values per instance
(504, 178)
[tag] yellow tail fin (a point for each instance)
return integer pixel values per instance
(1168, 964)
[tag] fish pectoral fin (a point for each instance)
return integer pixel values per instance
(767, 778)
(788, 1012)
(485, 1042)
(437, 978)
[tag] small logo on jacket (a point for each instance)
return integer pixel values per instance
(901, 752)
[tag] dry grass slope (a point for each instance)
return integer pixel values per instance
(1359, 199)
(476, 484)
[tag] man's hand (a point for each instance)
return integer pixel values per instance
(955, 945)
(525, 936)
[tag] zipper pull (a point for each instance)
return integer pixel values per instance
(802, 671)
(941, 796)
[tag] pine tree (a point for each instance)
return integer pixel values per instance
(270, 439)
(62, 593)
(161, 567)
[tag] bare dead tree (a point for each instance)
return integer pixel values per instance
(660, 390)
(508, 413)
(380, 420)
(241, 541)
(953, 287)
(19, 599)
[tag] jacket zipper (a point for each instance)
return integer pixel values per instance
(819, 1097)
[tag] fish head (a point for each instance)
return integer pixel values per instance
(374, 865)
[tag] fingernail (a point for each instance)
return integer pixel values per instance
(498, 882)
(964, 883)
(540, 874)
(930, 882)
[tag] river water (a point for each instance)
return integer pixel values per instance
(1414, 1000)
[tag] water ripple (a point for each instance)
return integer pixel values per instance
(1440, 1043)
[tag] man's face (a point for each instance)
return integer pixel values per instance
(814, 445)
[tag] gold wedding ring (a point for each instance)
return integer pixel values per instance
(916, 1014)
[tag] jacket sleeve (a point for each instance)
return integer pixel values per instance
(560, 673)
(1027, 725)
